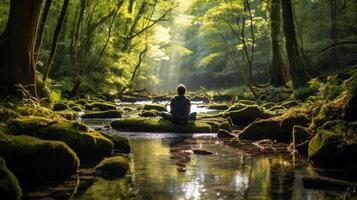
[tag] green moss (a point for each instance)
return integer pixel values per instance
(82, 102)
(103, 114)
(88, 144)
(9, 186)
(77, 108)
(157, 107)
(112, 167)
(60, 106)
(276, 128)
(101, 106)
(237, 106)
(159, 125)
(7, 114)
(29, 156)
(330, 111)
(247, 115)
(120, 143)
(68, 114)
(149, 113)
(221, 106)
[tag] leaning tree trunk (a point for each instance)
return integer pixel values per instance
(277, 70)
(17, 60)
(297, 71)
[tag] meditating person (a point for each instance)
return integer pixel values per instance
(180, 108)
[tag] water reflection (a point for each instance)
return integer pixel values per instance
(227, 174)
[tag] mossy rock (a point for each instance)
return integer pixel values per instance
(9, 186)
(331, 111)
(221, 106)
(149, 113)
(157, 107)
(101, 106)
(159, 125)
(7, 114)
(60, 106)
(248, 115)
(102, 114)
(237, 106)
(82, 102)
(226, 126)
(121, 143)
(28, 156)
(77, 108)
(88, 144)
(68, 114)
(112, 167)
(276, 128)
(331, 148)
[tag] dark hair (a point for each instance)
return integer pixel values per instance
(181, 89)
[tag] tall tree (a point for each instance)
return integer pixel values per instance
(17, 43)
(277, 69)
(297, 71)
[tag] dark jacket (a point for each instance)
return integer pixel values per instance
(180, 107)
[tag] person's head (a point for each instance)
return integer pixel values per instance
(181, 89)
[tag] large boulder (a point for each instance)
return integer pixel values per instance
(276, 128)
(9, 186)
(29, 156)
(329, 147)
(102, 114)
(248, 115)
(159, 125)
(155, 107)
(121, 143)
(88, 144)
(112, 167)
(100, 106)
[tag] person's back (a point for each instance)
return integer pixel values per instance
(180, 108)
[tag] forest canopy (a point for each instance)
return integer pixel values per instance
(111, 47)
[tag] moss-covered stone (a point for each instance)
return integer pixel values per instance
(121, 143)
(7, 114)
(330, 111)
(149, 113)
(77, 108)
(276, 128)
(60, 106)
(248, 115)
(101, 106)
(159, 125)
(88, 144)
(226, 126)
(221, 106)
(68, 114)
(157, 107)
(82, 102)
(331, 148)
(112, 167)
(29, 156)
(9, 186)
(102, 114)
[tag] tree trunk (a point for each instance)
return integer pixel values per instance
(54, 41)
(17, 43)
(41, 28)
(277, 70)
(297, 71)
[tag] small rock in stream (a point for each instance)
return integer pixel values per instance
(201, 152)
